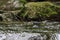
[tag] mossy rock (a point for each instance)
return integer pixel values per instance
(36, 10)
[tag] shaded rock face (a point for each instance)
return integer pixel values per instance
(9, 12)
(6, 17)
(9, 16)
(11, 5)
(3, 2)
(1, 19)
(14, 3)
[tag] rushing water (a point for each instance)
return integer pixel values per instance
(30, 31)
(28, 36)
(17, 36)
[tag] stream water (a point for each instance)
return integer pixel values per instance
(30, 31)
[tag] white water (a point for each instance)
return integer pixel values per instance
(22, 36)
(57, 36)
(17, 36)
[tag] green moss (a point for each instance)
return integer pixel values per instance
(36, 10)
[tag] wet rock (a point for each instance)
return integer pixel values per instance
(35, 26)
(39, 37)
(7, 16)
(30, 23)
(13, 5)
(55, 36)
(36, 38)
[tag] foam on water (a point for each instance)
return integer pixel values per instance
(17, 36)
(57, 36)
